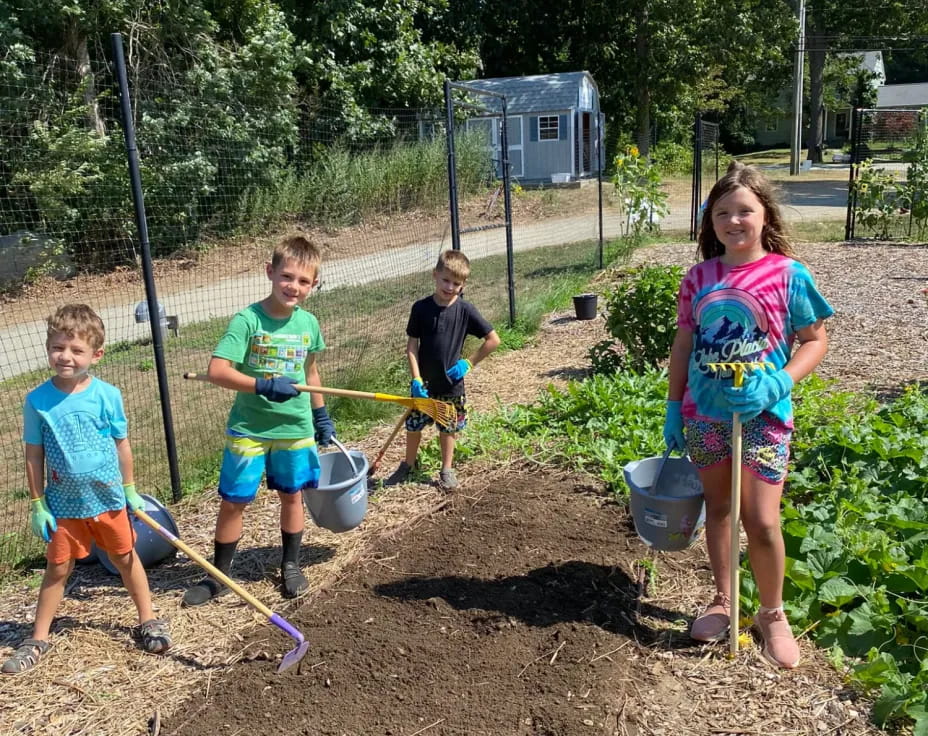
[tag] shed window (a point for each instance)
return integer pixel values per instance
(548, 128)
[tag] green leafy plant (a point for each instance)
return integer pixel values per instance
(672, 159)
(641, 313)
(877, 198)
(637, 184)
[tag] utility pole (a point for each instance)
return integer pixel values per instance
(795, 144)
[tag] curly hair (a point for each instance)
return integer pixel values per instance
(774, 236)
(76, 320)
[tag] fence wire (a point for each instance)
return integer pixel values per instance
(706, 151)
(889, 175)
(227, 169)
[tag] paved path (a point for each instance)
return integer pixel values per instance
(22, 347)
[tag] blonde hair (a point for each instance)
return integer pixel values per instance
(773, 236)
(455, 263)
(76, 320)
(299, 249)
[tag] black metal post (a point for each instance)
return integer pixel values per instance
(452, 177)
(507, 202)
(694, 194)
(600, 139)
(850, 220)
(154, 313)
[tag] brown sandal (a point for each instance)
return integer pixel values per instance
(25, 657)
(155, 636)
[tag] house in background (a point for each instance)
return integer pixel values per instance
(905, 96)
(775, 131)
(554, 125)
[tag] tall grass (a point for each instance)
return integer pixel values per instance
(343, 187)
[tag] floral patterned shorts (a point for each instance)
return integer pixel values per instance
(764, 445)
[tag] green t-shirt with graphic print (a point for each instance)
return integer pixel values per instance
(262, 347)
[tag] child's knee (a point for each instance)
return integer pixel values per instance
(58, 572)
(123, 562)
(761, 530)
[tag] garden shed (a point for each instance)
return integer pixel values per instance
(554, 125)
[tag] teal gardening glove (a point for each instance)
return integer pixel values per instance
(42, 521)
(460, 369)
(760, 392)
(673, 426)
(133, 500)
(417, 389)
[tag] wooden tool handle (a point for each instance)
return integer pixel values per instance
(735, 610)
(316, 389)
(212, 570)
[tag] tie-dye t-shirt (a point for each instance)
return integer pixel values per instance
(749, 312)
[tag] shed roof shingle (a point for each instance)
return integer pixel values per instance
(536, 93)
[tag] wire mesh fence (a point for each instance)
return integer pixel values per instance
(227, 169)
(888, 182)
(706, 152)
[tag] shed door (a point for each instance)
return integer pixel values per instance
(514, 132)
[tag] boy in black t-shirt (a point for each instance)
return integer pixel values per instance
(436, 330)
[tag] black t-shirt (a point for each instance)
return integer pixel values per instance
(441, 332)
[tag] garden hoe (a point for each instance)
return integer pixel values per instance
(738, 369)
(290, 658)
(441, 411)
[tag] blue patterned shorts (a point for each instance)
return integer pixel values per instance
(417, 420)
(764, 445)
(289, 466)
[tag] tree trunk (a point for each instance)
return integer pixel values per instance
(816, 54)
(75, 47)
(642, 89)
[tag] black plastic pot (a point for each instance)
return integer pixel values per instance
(585, 306)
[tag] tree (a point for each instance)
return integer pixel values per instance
(834, 25)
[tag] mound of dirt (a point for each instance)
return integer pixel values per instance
(520, 609)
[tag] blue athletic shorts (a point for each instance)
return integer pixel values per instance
(290, 466)
(764, 445)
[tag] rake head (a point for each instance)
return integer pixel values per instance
(441, 411)
(739, 369)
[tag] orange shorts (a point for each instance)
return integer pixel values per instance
(111, 530)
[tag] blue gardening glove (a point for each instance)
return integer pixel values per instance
(673, 426)
(460, 369)
(43, 523)
(417, 389)
(133, 500)
(759, 392)
(325, 427)
(278, 388)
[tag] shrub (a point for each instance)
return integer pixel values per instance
(641, 314)
(672, 159)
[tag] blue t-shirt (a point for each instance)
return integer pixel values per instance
(78, 432)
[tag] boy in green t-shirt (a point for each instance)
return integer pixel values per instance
(267, 348)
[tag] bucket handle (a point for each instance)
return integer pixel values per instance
(660, 470)
(347, 454)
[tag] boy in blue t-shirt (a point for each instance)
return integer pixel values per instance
(273, 429)
(75, 426)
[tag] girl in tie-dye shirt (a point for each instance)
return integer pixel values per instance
(747, 301)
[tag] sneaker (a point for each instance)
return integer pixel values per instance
(713, 623)
(203, 592)
(780, 648)
(292, 581)
(400, 475)
(447, 480)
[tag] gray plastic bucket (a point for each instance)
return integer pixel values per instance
(673, 519)
(150, 547)
(340, 501)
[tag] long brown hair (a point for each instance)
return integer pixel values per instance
(774, 237)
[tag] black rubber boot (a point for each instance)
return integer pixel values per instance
(207, 589)
(292, 581)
